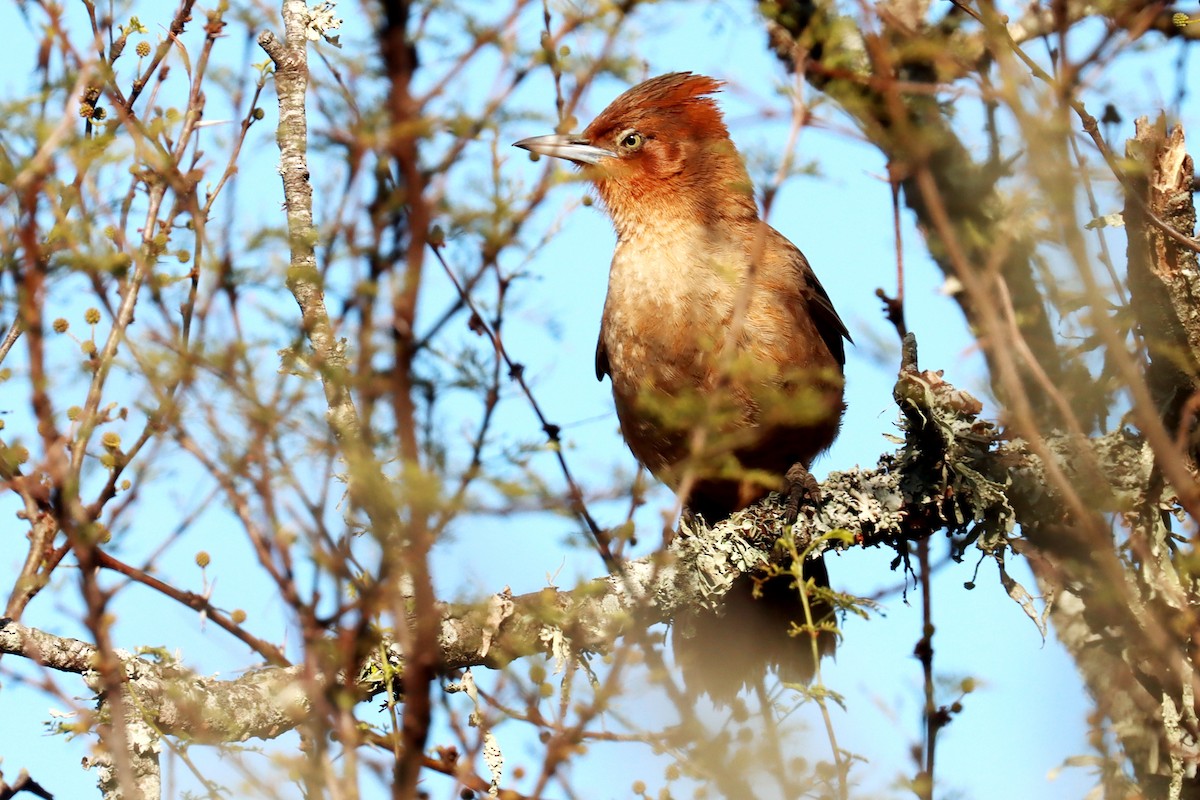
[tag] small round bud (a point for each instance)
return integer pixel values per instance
(91, 316)
(258, 113)
(125, 484)
(99, 113)
(203, 559)
(108, 461)
(143, 49)
(184, 256)
(86, 110)
(61, 325)
(238, 616)
(111, 440)
(88, 348)
(73, 413)
(639, 787)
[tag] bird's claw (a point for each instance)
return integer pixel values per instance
(802, 489)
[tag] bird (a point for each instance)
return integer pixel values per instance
(725, 353)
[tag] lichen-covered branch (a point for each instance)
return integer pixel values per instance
(290, 58)
(1122, 593)
(1112, 609)
(1164, 279)
(142, 746)
(954, 473)
(889, 88)
(259, 704)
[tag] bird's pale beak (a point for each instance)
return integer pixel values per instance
(571, 147)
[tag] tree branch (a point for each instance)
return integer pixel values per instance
(1164, 280)
(955, 472)
(890, 89)
(24, 783)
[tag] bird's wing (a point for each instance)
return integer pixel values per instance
(825, 316)
(813, 295)
(602, 367)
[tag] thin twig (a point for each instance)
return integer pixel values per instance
(924, 652)
(10, 338)
(516, 371)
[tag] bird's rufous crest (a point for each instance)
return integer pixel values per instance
(678, 103)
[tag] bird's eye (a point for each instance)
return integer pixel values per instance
(631, 141)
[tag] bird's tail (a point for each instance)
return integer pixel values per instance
(721, 653)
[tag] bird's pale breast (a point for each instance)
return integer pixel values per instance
(667, 328)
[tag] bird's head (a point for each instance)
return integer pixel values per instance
(660, 148)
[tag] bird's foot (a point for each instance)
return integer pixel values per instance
(802, 490)
(689, 518)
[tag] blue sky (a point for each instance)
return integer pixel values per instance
(1028, 715)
